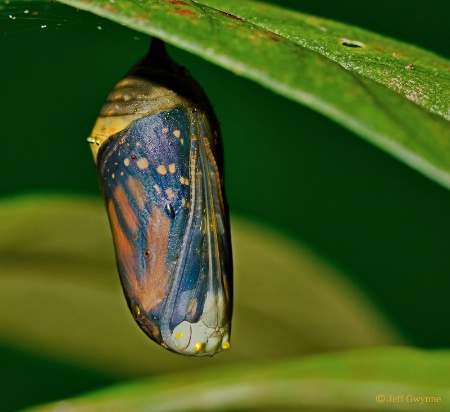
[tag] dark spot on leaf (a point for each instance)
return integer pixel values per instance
(185, 12)
(231, 16)
(352, 43)
(110, 8)
(270, 36)
(409, 67)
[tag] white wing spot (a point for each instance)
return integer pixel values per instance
(142, 163)
(161, 169)
(169, 193)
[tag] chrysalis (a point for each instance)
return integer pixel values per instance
(158, 152)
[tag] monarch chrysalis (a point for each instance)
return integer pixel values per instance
(158, 152)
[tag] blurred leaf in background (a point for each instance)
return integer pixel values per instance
(364, 380)
(68, 298)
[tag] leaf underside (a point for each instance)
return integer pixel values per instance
(391, 93)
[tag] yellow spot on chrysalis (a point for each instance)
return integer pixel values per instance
(179, 335)
(157, 188)
(161, 169)
(226, 346)
(172, 168)
(169, 193)
(199, 346)
(137, 310)
(165, 130)
(176, 133)
(142, 163)
(126, 162)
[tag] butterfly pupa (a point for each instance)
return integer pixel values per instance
(158, 151)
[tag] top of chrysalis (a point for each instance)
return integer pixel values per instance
(153, 85)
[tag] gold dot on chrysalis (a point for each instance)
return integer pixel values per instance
(179, 335)
(135, 237)
(137, 310)
(199, 346)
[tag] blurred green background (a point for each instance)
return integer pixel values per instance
(384, 224)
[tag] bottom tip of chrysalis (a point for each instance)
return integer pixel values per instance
(198, 339)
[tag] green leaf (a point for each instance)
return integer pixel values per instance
(393, 94)
(58, 279)
(388, 379)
